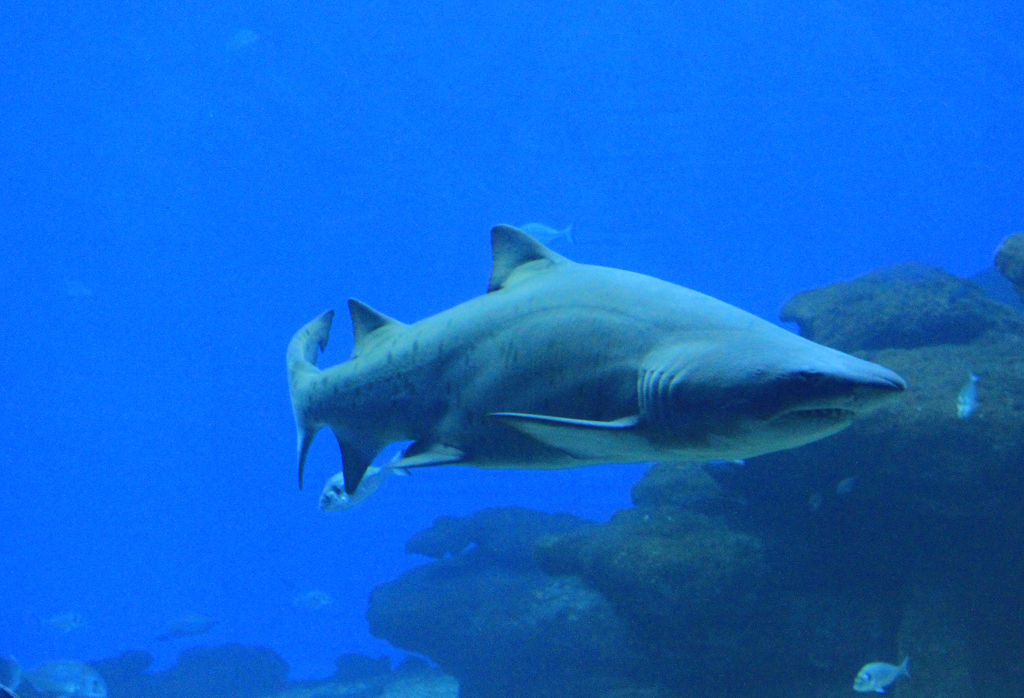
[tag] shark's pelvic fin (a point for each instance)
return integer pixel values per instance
(367, 324)
(423, 455)
(512, 249)
(580, 438)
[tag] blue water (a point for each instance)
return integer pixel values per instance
(185, 184)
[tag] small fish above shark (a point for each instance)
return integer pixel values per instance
(562, 364)
(546, 235)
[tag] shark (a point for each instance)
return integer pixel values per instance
(563, 364)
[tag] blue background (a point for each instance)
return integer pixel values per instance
(183, 186)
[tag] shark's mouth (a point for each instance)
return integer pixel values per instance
(816, 414)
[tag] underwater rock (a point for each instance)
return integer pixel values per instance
(364, 677)
(905, 306)
(492, 619)
(228, 671)
(353, 667)
(687, 584)
(126, 674)
(686, 485)
(506, 534)
(1010, 261)
(499, 631)
(662, 567)
(935, 633)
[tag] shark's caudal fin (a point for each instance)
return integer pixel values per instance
(369, 327)
(303, 351)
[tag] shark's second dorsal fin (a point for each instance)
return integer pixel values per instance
(512, 248)
(365, 322)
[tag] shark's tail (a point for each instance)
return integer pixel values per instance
(303, 351)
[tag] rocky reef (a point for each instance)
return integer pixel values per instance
(241, 671)
(782, 576)
(1010, 261)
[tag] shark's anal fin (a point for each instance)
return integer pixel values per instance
(580, 438)
(353, 465)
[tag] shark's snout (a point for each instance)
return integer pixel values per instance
(841, 392)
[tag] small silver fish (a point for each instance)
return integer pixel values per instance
(877, 675)
(65, 622)
(846, 485)
(333, 496)
(967, 398)
(313, 599)
(546, 234)
(815, 501)
(69, 679)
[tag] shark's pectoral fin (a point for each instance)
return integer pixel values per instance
(581, 438)
(419, 455)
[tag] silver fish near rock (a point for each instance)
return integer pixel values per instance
(333, 497)
(846, 485)
(546, 234)
(68, 679)
(314, 599)
(877, 675)
(967, 398)
(562, 364)
(65, 622)
(815, 501)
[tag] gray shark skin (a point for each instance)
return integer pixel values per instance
(563, 364)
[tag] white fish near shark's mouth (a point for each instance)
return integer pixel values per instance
(563, 364)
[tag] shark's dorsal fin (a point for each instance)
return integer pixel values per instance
(512, 249)
(365, 322)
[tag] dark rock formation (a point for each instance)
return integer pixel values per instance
(504, 534)
(1010, 261)
(496, 622)
(904, 307)
(229, 671)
